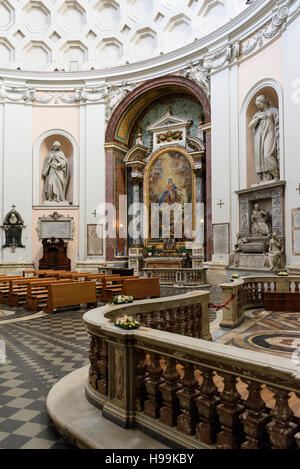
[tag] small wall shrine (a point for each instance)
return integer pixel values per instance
(13, 226)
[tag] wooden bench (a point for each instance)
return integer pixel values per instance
(39, 273)
(141, 288)
(282, 301)
(4, 287)
(111, 286)
(18, 290)
(71, 294)
(37, 292)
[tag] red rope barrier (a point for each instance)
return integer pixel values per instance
(211, 305)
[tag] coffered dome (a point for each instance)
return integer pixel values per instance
(74, 35)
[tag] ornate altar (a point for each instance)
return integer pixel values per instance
(54, 255)
(170, 180)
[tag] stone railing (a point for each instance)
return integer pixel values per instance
(189, 392)
(248, 292)
(188, 277)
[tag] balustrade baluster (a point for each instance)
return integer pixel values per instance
(188, 418)
(173, 325)
(229, 411)
(206, 404)
(281, 429)
(170, 409)
(181, 320)
(254, 419)
(149, 320)
(189, 321)
(152, 383)
(94, 374)
(255, 292)
(197, 320)
(103, 367)
(140, 372)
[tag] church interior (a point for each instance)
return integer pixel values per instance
(150, 220)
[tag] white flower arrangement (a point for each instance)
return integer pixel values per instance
(122, 299)
(127, 322)
(283, 274)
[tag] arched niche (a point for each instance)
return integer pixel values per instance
(272, 90)
(40, 152)
(121, 127)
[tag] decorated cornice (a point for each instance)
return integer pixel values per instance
(253, 29)
(31, 95)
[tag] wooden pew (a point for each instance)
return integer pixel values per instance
(37, 292)
(18, 290)
(38, 273)
(112, 285)
(71, 294)
(140, 288)
(4, 286)
(97, 278)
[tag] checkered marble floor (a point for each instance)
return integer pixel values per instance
(39, 353)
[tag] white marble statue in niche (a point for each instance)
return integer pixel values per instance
(265, 124)
(56, 174)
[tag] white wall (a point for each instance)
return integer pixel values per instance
(291, 77)
(17, 174)
(92, 170)
(224, 117)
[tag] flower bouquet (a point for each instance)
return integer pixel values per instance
(234, 277)
(283, 274)
(122, 299)
(127, 322)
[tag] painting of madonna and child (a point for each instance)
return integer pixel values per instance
(171, 182)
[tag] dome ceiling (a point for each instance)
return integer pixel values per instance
(73, 35)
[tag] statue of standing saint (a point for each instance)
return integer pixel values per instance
(266, 139)
(56, 174)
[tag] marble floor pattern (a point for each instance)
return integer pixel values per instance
(265, 331)
(40, 351)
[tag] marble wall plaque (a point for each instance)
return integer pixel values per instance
(56, 226)
(95, 240)
(221, 238)
(55, 229)
(296, 231)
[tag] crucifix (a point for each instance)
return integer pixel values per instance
(13, 206)
(298, 188)
(220, 204)
(94, 213)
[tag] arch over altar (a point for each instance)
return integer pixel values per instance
(131, 153)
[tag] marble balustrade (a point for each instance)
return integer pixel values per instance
(190, 392)
(248, 292)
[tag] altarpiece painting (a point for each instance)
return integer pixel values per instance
(171, 182)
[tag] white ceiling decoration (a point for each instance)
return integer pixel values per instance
(73, 35)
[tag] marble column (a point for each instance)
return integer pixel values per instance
(136, 250)
(137, 220)
(198, 250)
